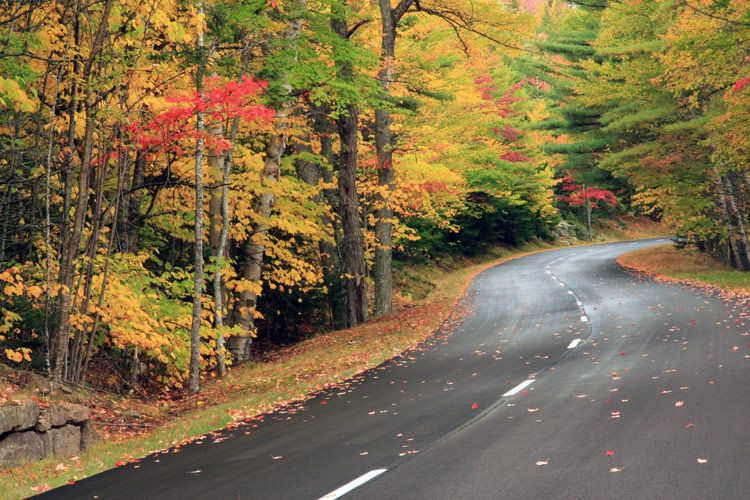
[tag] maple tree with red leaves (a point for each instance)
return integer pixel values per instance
(589, 197)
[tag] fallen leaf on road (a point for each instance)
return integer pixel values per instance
(197, 471)
(610, 453)
(276, 458)
(543, 462)
(615, 469)
(532, 409)
(474, 406)
(679, 403)
(702, 460)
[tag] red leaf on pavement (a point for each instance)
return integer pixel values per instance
(119, 463)
(474, 406)
(610, 453)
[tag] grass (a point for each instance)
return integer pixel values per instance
(288, 377)
(667, 262)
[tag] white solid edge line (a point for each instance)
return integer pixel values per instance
(354, 484)
(519, 387)
(575, 343)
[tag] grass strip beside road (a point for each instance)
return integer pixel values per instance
(687, 265)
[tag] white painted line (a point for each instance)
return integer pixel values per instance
(584, 319)
(575, 343)
(354, 484)
(519, 387)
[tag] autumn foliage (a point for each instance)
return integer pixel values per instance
(502, 117)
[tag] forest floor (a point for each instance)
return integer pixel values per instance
(135, 425)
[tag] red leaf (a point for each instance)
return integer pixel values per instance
(610, 453)
(740, 83)
(474, 406)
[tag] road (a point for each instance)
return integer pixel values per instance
(561, 376)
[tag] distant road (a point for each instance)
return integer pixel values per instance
(560, 377)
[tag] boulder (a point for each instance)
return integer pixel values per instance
(64, 441)
(89, 437)
(42, 425)
(21, 446)
(18, 417)
(7, 419)
(77, 414)
(56, 416)
(27, 413)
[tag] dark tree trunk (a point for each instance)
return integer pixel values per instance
(354, 256)
(353, 244)
(383, 270)
(312, 172)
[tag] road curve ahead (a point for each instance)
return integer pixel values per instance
(560, 376)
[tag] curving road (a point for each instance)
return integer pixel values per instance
(560, 377)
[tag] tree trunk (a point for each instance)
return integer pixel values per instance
(353, 243)
(194, 376)
(383, 270)
(255, 247)
(67, 266)
(727, 220)
(739, 216)
(354, 256)
(330, 258)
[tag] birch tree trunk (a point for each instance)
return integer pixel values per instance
(739, 216)
(194, 380)
(727, 219)
(255, 247)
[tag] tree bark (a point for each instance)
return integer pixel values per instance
(330, 257)
(194, 375)
(383, 270)
(354, 256)
(255, 247)
(353, 243)
(742, 264)
(727, 220)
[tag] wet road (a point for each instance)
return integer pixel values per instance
(561, 376)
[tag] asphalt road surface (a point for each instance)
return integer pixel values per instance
(560, 376)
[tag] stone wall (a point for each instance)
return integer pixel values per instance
(26, 433)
